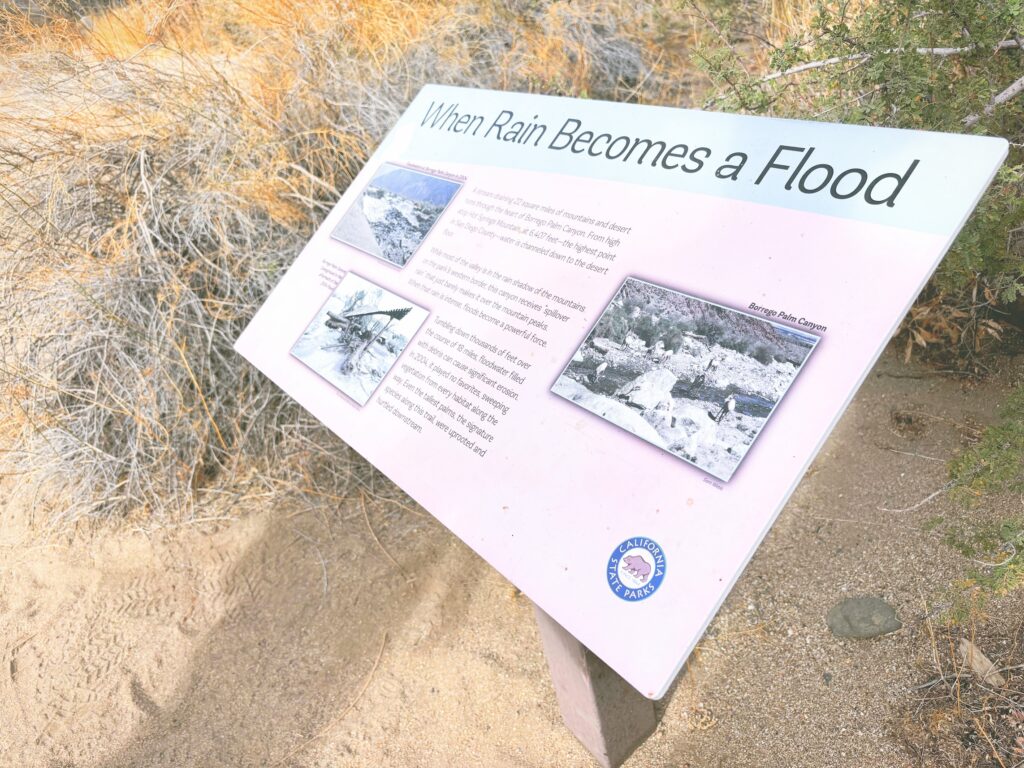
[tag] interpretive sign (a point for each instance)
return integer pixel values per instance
(602, 342)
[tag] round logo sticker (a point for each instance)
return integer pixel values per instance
(636, 569)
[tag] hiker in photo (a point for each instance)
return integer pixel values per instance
(726, 408)
(358, 335)
(709, 370)
(694, 378)
(395, 213)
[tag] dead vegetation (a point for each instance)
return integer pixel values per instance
(161, 163)
(969, 713)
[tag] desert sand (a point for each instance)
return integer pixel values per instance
(332, 635)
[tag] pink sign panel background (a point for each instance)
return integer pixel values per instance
(559, 488)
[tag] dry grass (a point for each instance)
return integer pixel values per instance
(960, 719)
(161, 163)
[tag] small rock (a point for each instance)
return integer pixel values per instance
(862, 617)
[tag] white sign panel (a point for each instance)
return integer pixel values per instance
(602, 342)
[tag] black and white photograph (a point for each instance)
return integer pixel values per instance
(689, 376)
(395, 212)
(358, 335)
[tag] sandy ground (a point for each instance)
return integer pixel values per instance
(289, 638)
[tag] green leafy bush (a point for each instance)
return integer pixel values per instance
(996, 462)
(939, 65)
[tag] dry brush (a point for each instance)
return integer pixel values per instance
(161, 163)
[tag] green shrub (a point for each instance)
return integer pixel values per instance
(764, 353)
(996, 462)
(939, 65)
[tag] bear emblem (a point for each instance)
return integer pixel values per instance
(637, 566)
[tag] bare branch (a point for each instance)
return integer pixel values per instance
(1000, 98)
(940, 52)
(814, 65)
(1015, 42)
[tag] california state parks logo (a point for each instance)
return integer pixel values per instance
(636, 569)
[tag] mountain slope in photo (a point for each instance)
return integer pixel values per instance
(398, 223)
(395, 212)
(413, 185)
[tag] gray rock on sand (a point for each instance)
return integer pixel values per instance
(648, 389)
(862, 618)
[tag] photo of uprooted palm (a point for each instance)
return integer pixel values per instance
(395, 212)
(358, 335)
(691, 377)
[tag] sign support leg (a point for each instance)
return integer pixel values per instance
(608, 715)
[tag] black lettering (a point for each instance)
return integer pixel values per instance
(698, 156)
(533, 129)
(649, 146)
(437, 114)
(733, 169)
(900, 181)
(834, 191)
(810, 171)
(799, 167)
(618, 154)
(497, 124)
(590, 150)
(674, 152)
(585, 138)
(513, 132)
(772, 164)
(567, 134)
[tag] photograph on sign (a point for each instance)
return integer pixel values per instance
(395, 212)
(689, 376)
(612, 272)
(358, 335)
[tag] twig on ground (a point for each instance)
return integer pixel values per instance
(400, 505)
(323, 731)
(869, 523)
(983, 732)
(911, 453)
(1011, 555)
(922, 502)
(366, 516)
(933, 682)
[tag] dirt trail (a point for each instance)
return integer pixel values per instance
(291, 638)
